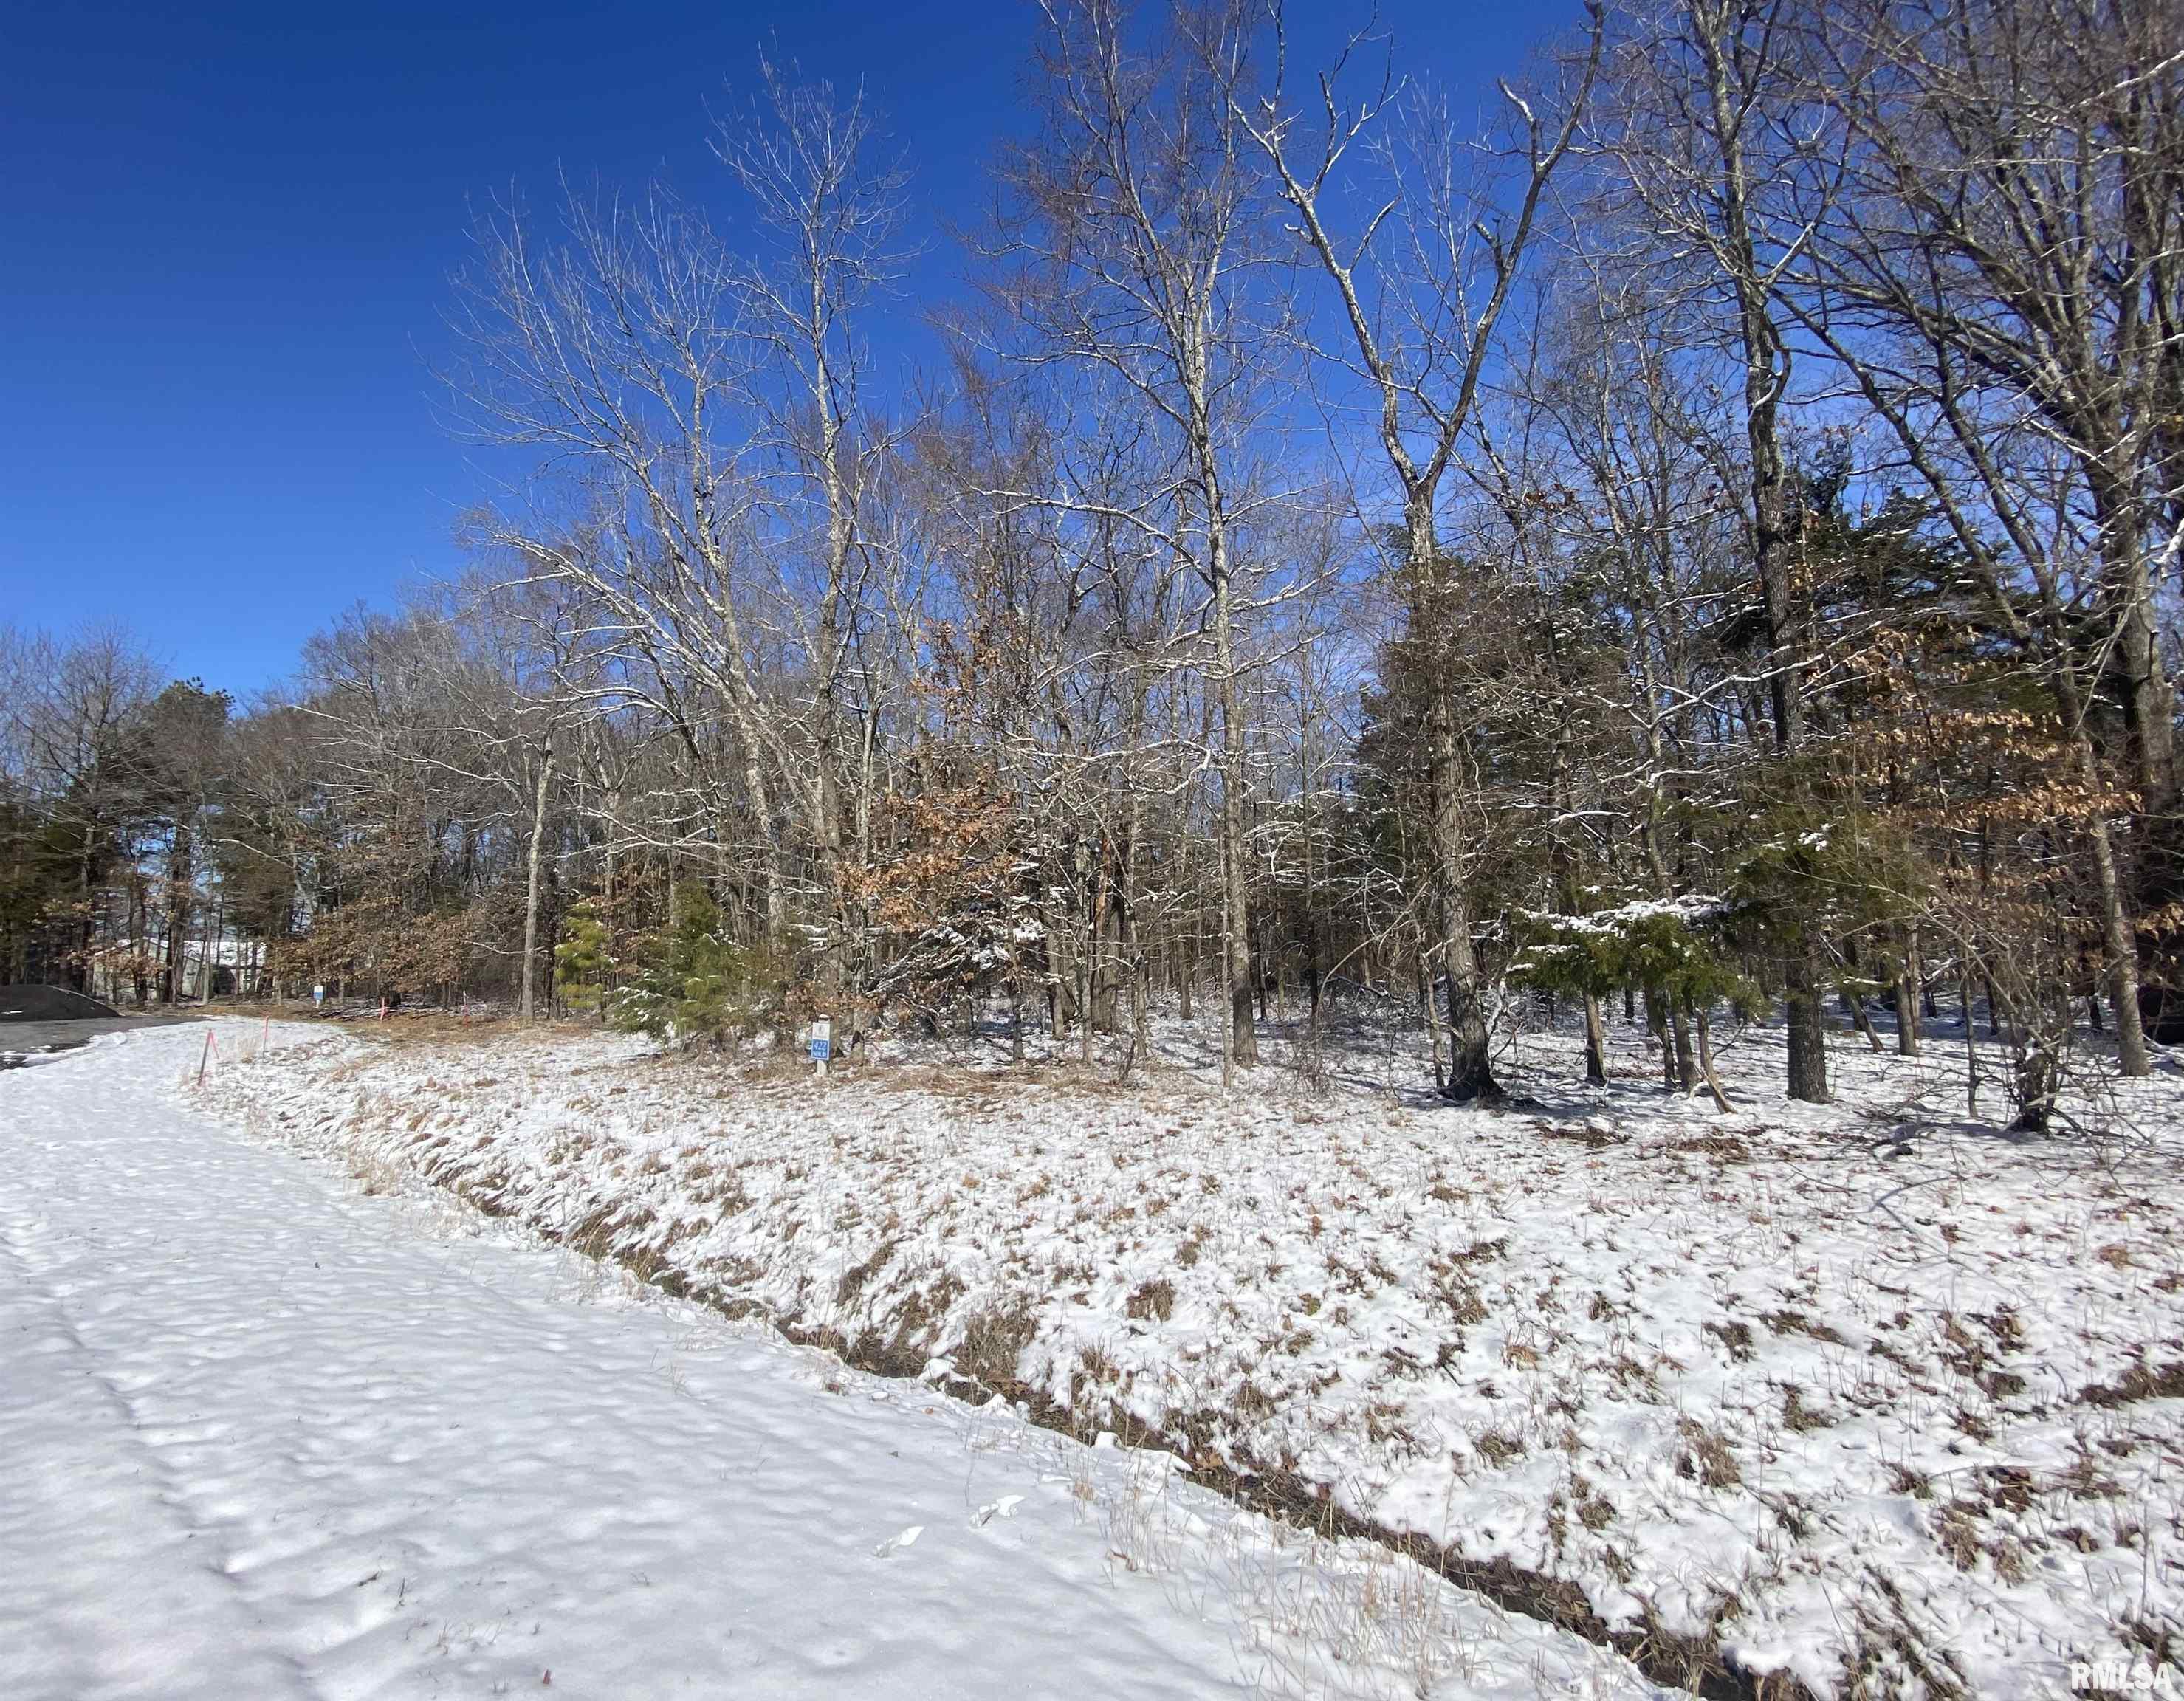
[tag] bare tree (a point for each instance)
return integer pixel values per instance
(622, 354)
(1422, 283)
(1134, 228)
(828, 214)
(533, 665)
(1705, 137)
(2003, 278)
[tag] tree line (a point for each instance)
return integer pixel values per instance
(1706, 533)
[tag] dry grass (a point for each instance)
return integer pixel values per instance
(1154, 1300)
(1708, 1456)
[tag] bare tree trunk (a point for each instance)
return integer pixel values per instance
(1234, 870)
(1705, 1060)
(527, 1006)
(776, 863)
(2148, 697)
(1861, 1019)
(1657, 861)
(1679, 1029)
(1430, 1015)
(138, 924)
(826, 814)
(2122, 950)
(180, 881)
(1907, 999)
(1725, 66)
(1807, 1025)
(1470, 1073)
(1243, 1045)
(2119, 938)
(1134, 944)
(1088, 971)
(1657, 1025)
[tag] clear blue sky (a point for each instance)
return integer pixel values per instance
(226, 236)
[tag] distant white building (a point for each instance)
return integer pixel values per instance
(222, 968)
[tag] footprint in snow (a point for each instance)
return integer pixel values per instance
(903, 1540)
(1006, 1506)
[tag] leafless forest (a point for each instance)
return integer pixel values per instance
(1703, 531)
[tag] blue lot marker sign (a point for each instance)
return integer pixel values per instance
(822, 1039)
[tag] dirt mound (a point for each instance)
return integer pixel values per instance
(48, 1004)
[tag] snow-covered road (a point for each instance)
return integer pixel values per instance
(263, 1435)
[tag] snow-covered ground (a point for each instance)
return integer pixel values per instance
(1871, 1396)
(267, 1433)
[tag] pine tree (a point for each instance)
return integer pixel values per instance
(583, 967)
(693, 982)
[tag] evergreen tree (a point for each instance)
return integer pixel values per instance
(583, 966)
(692, 982)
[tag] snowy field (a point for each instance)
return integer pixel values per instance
(1869, 1398)
(268, 1432)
